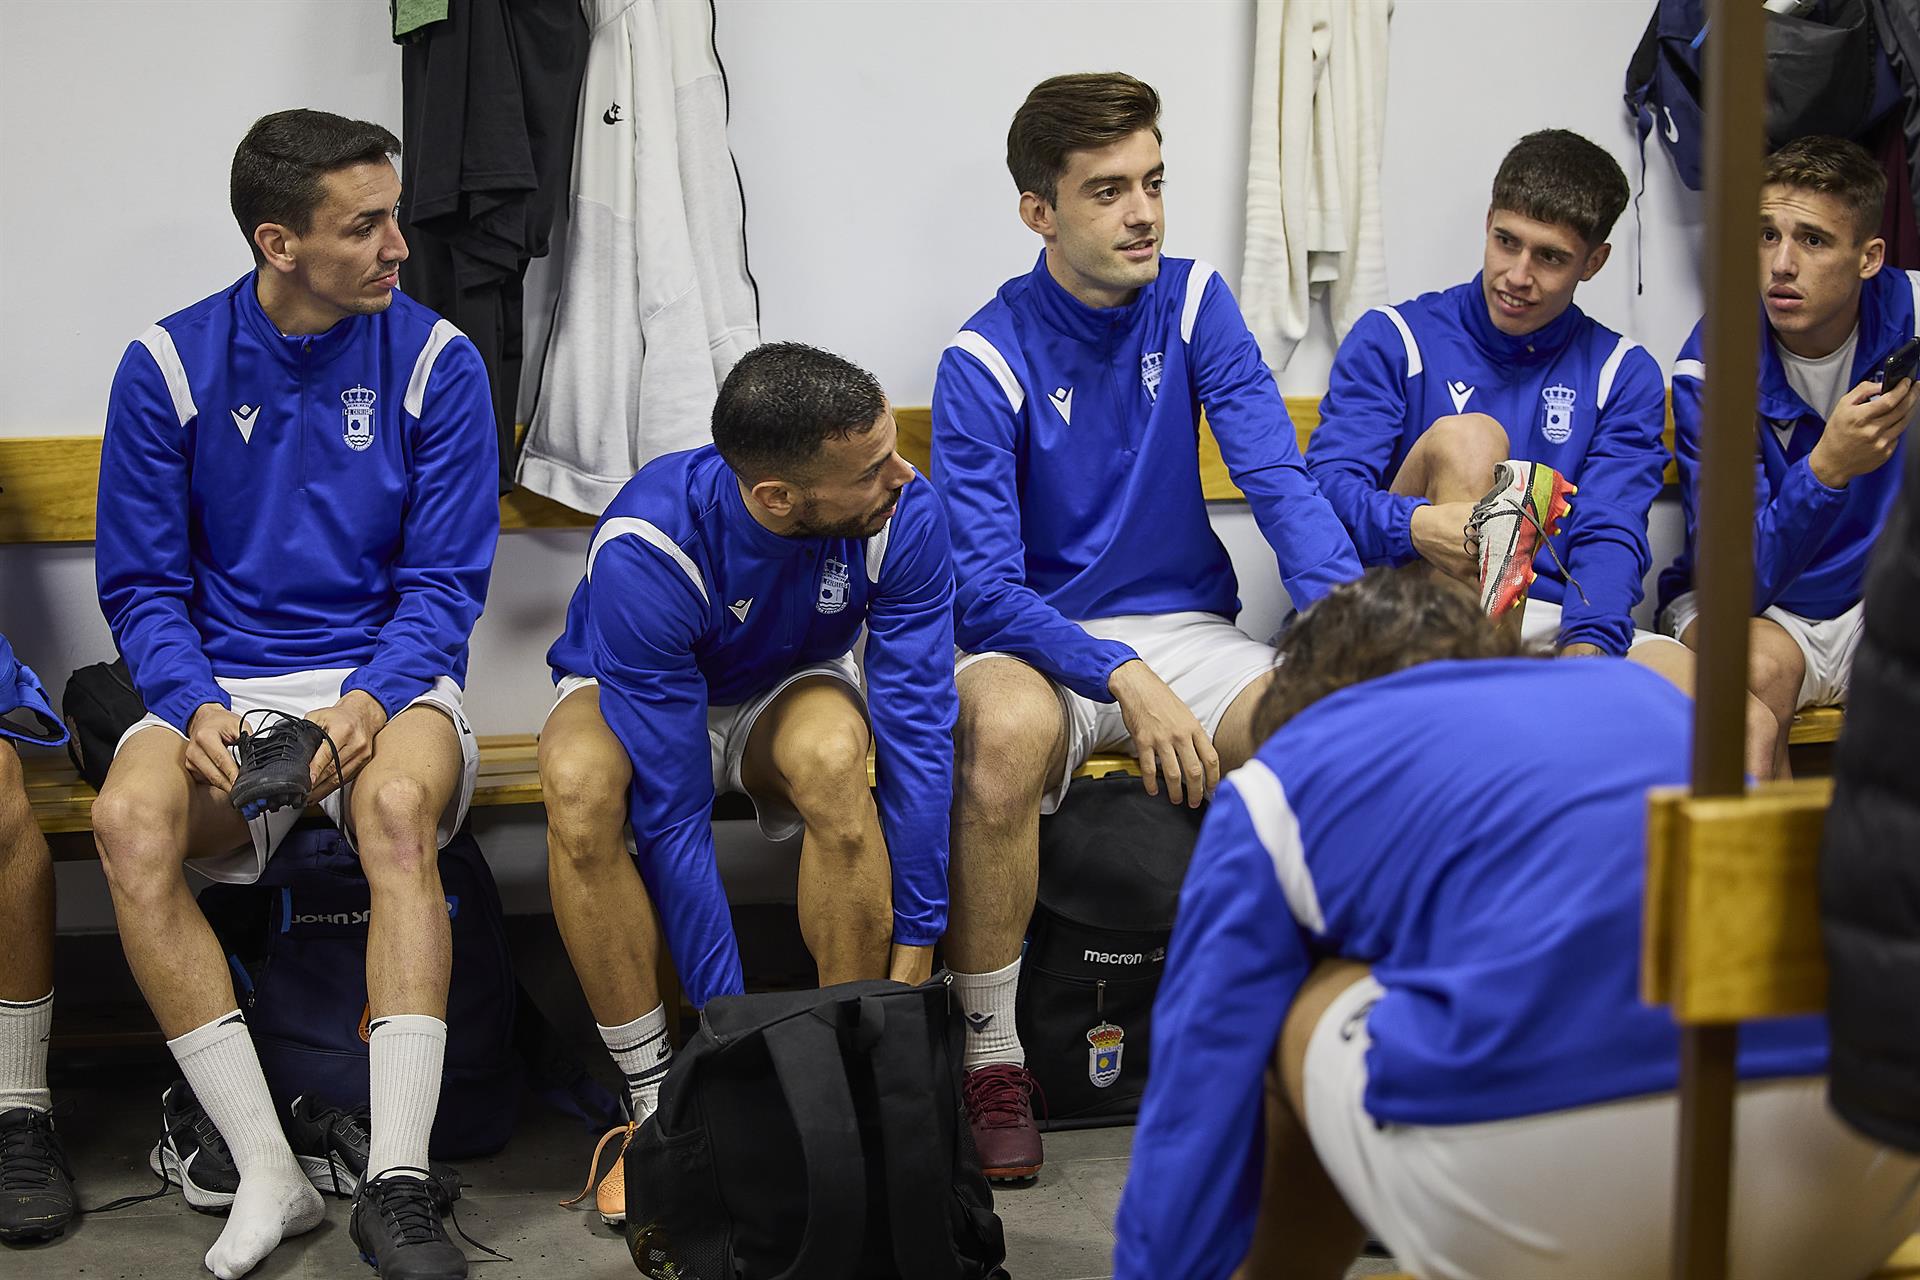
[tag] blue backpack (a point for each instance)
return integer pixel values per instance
(1826, 74)
(297, 943)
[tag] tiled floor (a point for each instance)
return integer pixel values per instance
(1057, 1229)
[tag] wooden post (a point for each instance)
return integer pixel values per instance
(1723, 576)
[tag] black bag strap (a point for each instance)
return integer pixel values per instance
(806, 1059)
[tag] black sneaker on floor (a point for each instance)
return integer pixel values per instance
(276, 766)
(36, 1186)
(331, 1146)
(396, 1226)
(191, 1154)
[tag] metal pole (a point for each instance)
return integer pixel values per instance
(1723, 576)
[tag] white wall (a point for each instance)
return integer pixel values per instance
(870, 139)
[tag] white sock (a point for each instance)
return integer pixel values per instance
(987, 1001)
(24, 1028)
(644, 1053)
(275, 1199)
(407, 1052)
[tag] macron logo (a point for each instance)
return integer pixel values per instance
(739, 608)
(1460, 392)
(243, 418)
(1062, 398)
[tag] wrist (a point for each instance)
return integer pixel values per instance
(1824, 471)
(1122, 677)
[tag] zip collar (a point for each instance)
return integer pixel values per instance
(1062, 311)
(315, 348)
(731, 506)
(1538, 347)
(1883, 325)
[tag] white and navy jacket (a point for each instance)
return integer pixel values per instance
(1574, 395)
(689, 602)
(1503, 923)
(272, 504)
(1065, 442)
(1810, 543)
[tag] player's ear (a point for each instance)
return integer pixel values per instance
(1595, 260)
(776, 497)
(1036, 213)
(276, 245)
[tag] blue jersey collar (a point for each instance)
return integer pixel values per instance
(1886, 321)
(315, 348)
(1075, 318)
(1538, 347)
(738, 522)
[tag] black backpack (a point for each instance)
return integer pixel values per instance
(100, 704)
(1111, 862)
(813, 1134)
(297, 943)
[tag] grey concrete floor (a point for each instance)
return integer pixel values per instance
(1057, 1229)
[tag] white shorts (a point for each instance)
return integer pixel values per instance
(1204, 658)
(728, 729)
(1540, 625)
(1587, 1194)
(1826, 644)
(297, 693)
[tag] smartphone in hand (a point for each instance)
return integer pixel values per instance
(1899, 367)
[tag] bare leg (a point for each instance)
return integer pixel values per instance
(151, 816)
(1234, 739)
(1775, 667)
(1451, 466)
(599, 901)
(26, 891)
(1305, 1230)
(1010, 744)
(809, 748)
(396, 805)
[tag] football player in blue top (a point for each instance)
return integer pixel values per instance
(1458, 426)
(1829, 435)
(1095, 603)
(710, 648)
(1403, 988)
(38, 1199)
(296, 525)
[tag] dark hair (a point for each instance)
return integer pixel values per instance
(279, 165)
(782, 401)
(1835, 167)
(1558, 176)
(1075, 113)
(1387, 621)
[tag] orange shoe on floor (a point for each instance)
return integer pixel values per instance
(611, 1196)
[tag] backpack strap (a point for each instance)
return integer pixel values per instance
(806, 1058)
(920, 1166)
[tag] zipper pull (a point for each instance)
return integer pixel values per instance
(1100, 998)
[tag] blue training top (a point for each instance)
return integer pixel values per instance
(1573, 394)
(1810, 543)
(1475, 831)
(272, 504)
(690, 602)
(25, 713)
(1065, 440)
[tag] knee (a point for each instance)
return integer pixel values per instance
(131, 831)
(1005, 744)
(585, 789)
(394, 826)
(826, 771)
(1774, 673)
(1469, 440)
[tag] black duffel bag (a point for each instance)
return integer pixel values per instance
(1111, 862)
(813, 1134)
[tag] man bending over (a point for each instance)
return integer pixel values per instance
(297, 522)
(1829, 434)
(710, 649)
(1095, 602)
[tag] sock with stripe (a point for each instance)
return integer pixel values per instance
(986, 999)
(275, 1200)
(24, 1029)
(644, 1053)
(405, 1053)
